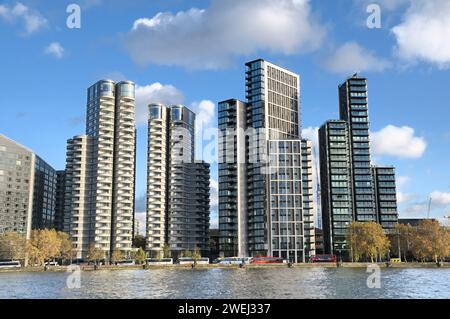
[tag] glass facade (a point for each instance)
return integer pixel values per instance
(16, 187)
(246, 206)
(351, 189)
(27, 190)
(386, 196)
(286, 205)
(336, 186)
(44, 199)
(232, 179)
(354, 110)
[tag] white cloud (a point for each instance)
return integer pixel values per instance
(32, 20)
(424, 33)
(155, 93)
(398, 142)
(55, 49)
(205, 111)
(211, 38)
(351, 57)
(404, 197)
(440, 199)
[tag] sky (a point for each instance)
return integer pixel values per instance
(193, 52)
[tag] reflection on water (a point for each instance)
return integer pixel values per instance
(230, 283)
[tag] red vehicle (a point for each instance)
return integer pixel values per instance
(323, 259)
(267, 260)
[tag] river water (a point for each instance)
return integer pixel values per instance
(229, 283)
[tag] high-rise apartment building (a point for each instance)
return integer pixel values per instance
(352, 189)
(78, 219)
(177, 186)
(385, 196)
(27, 189)
(100, 172)
(335, 181)
(263, 173)
(353, 107)
(44, 199)
(188, 218)
(233, 214)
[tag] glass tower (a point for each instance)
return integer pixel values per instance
(354, 110)
(262, 213)
(351, 188)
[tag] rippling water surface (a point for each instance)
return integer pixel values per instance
(230, 283)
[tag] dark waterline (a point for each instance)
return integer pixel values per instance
(230, 283)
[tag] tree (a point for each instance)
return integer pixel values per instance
(196, 254)
(95, 254)
(116, 256)
(43, 245)
(139, 241)
(367, 240)
(430, 241)
(66, 251)
(12, 246)
(140, 256)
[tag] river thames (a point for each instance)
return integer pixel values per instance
(229, 284)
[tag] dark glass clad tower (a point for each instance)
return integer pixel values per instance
(352, 189)
(265, 191)
(353, 107)
(386, 196)
(335, 181)
(44, 198)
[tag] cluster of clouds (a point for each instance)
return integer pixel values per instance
(213, 37)
(351, 57)
(32, 21)
(424, 33)
(55, 49)
(210, 38)
(400, 142)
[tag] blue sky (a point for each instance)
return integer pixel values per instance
(193, 52)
